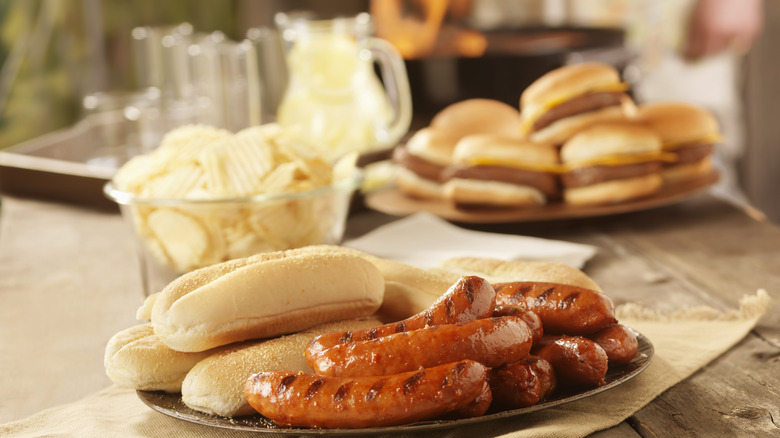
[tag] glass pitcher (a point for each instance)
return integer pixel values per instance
(334, 96)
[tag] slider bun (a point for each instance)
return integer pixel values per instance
(478, 116)
(215, 385)
(415, 186)
(677, 122)
(568, 82)
(136, 358)
(680, 173)
(265, 296)
(474, 192)
(500, 271)
(614, 191)
(608, 139)
(563, 129)
(434, 145)
(501, 147)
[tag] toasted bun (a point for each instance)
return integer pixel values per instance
(500, 271)
(216, 384)
(567, 82)
(614, 191)
(414, 186)
(135, 358)
(678, 123)
(608, 139)
(264, 296)
(492, 146)
(480, 192)
(686, 172)
(562, 130)
(434, 145)
(478, 116)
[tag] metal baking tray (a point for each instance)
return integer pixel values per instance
(62, 166)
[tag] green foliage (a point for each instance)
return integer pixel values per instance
(52, 52)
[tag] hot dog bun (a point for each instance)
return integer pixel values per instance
(136, 358)
(499, 271)
(264, 296)
(216, 384)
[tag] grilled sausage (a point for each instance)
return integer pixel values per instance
(578, 362)
(470, 298)
(530, 318)
(308, 400)
(522, 384)
(563, 308)
(618, 341)
(491, 341)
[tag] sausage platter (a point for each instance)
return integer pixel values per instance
(170, 404)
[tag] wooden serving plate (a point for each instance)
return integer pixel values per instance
(391, 201)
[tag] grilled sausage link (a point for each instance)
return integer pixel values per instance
(619, 342)
(563, 308)
(308, 400)
(578, 362)
(530, 318)
(522, 384)
(470, 298)
(491, 341)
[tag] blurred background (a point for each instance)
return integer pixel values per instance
(54, 53)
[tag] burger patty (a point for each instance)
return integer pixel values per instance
(691, 154)
(578, 105)
(597, 174)
(545, 182)
(423, 168)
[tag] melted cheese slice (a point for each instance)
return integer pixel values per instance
(707, 139)
(515, 164)
(619, 160)
(530, 118)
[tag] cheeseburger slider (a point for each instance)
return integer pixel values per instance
(502, 171)
(569, 98)
(688, 132)
(611, 162)
(427, 154)
(422, 162)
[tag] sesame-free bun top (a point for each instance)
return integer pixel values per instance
(679, 123)
(473, 149)
(478, 116)
(610, 139)
(567, 82)
(434, 145)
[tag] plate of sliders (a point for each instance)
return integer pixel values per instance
(577, 146)
(171, 404)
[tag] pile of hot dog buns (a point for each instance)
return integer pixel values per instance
(330, 337)
(577, 138)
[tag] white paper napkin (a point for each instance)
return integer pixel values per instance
(425, 240)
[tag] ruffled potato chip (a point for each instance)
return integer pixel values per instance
(202, 163)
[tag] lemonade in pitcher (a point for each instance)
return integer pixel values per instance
(334, 97)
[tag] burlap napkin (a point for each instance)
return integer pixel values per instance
(684, 342)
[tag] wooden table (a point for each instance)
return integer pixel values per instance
(69, 280)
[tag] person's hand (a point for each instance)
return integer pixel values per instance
(719, 25)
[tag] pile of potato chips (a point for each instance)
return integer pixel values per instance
(202, 166)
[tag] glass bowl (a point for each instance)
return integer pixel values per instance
(175, 236)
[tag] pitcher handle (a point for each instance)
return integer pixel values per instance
(396, 82)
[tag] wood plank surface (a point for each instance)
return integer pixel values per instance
(700, 252)
(697, 253)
